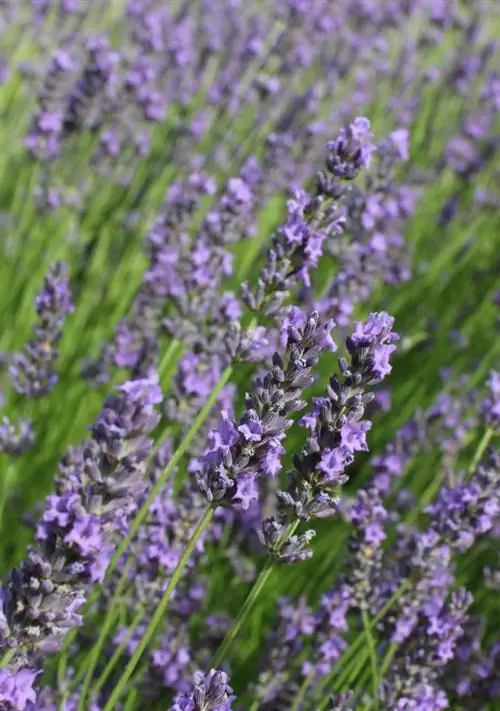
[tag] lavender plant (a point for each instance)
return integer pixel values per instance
(253, 520)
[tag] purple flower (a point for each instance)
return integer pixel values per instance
(252, 429)
(17, 438)
(377, 335)
(332, 464)
(252, 447)
(246, 491)
(353, 436)
(352, 150)
(32, 371)
(16, 689)
(311, 221)
(224, 436)
(211, 693)
(98, 491)
(144, 390)
(490, 407)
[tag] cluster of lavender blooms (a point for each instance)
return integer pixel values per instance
(255, 441)
(337, 431)
(126, 93)
(240, 452)
(96, 494)
(33, 371)
(178, 89)
(180, 292)
(428, 621)
(210, 693)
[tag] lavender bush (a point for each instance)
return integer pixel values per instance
(249, 356)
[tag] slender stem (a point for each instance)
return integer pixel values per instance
(388, 659)
(168, 356)
(7, 657)
(131, 699)
(249, 602)
(373, 657)
(160, 610)
(243, 613)
(91, 662)
(301, 694)
(7, 480)
(115, 658)
(88, 664)
(485, 440)
(156, 489)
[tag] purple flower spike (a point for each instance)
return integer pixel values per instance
(351, 151)
(336, 433)
(375, 334)
(32, 371)
(211, 693)
(239, 453)
(99, 491)
(311, 221)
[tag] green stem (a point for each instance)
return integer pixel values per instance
(485, 440)
(168, 356)
(373, 657)
(301, 694)
(160, 610)
(7, 657)
(115, 658)
(156, 489)
(91, 662)
(131, 699)
(388, 659)
(244, 612)
(8, 478)
(249, 602)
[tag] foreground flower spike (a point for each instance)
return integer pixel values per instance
(32, 371)
(337, 432)
(375, 214)
(211, 693)
(97, 493)
(240, 452)
(311, 220)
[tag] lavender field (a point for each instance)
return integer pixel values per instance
(249, 355)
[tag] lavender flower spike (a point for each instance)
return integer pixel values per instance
(311, 220)
(32, 371)
(97, 494)
(240, 452)
(211, 693)
(337, 431)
